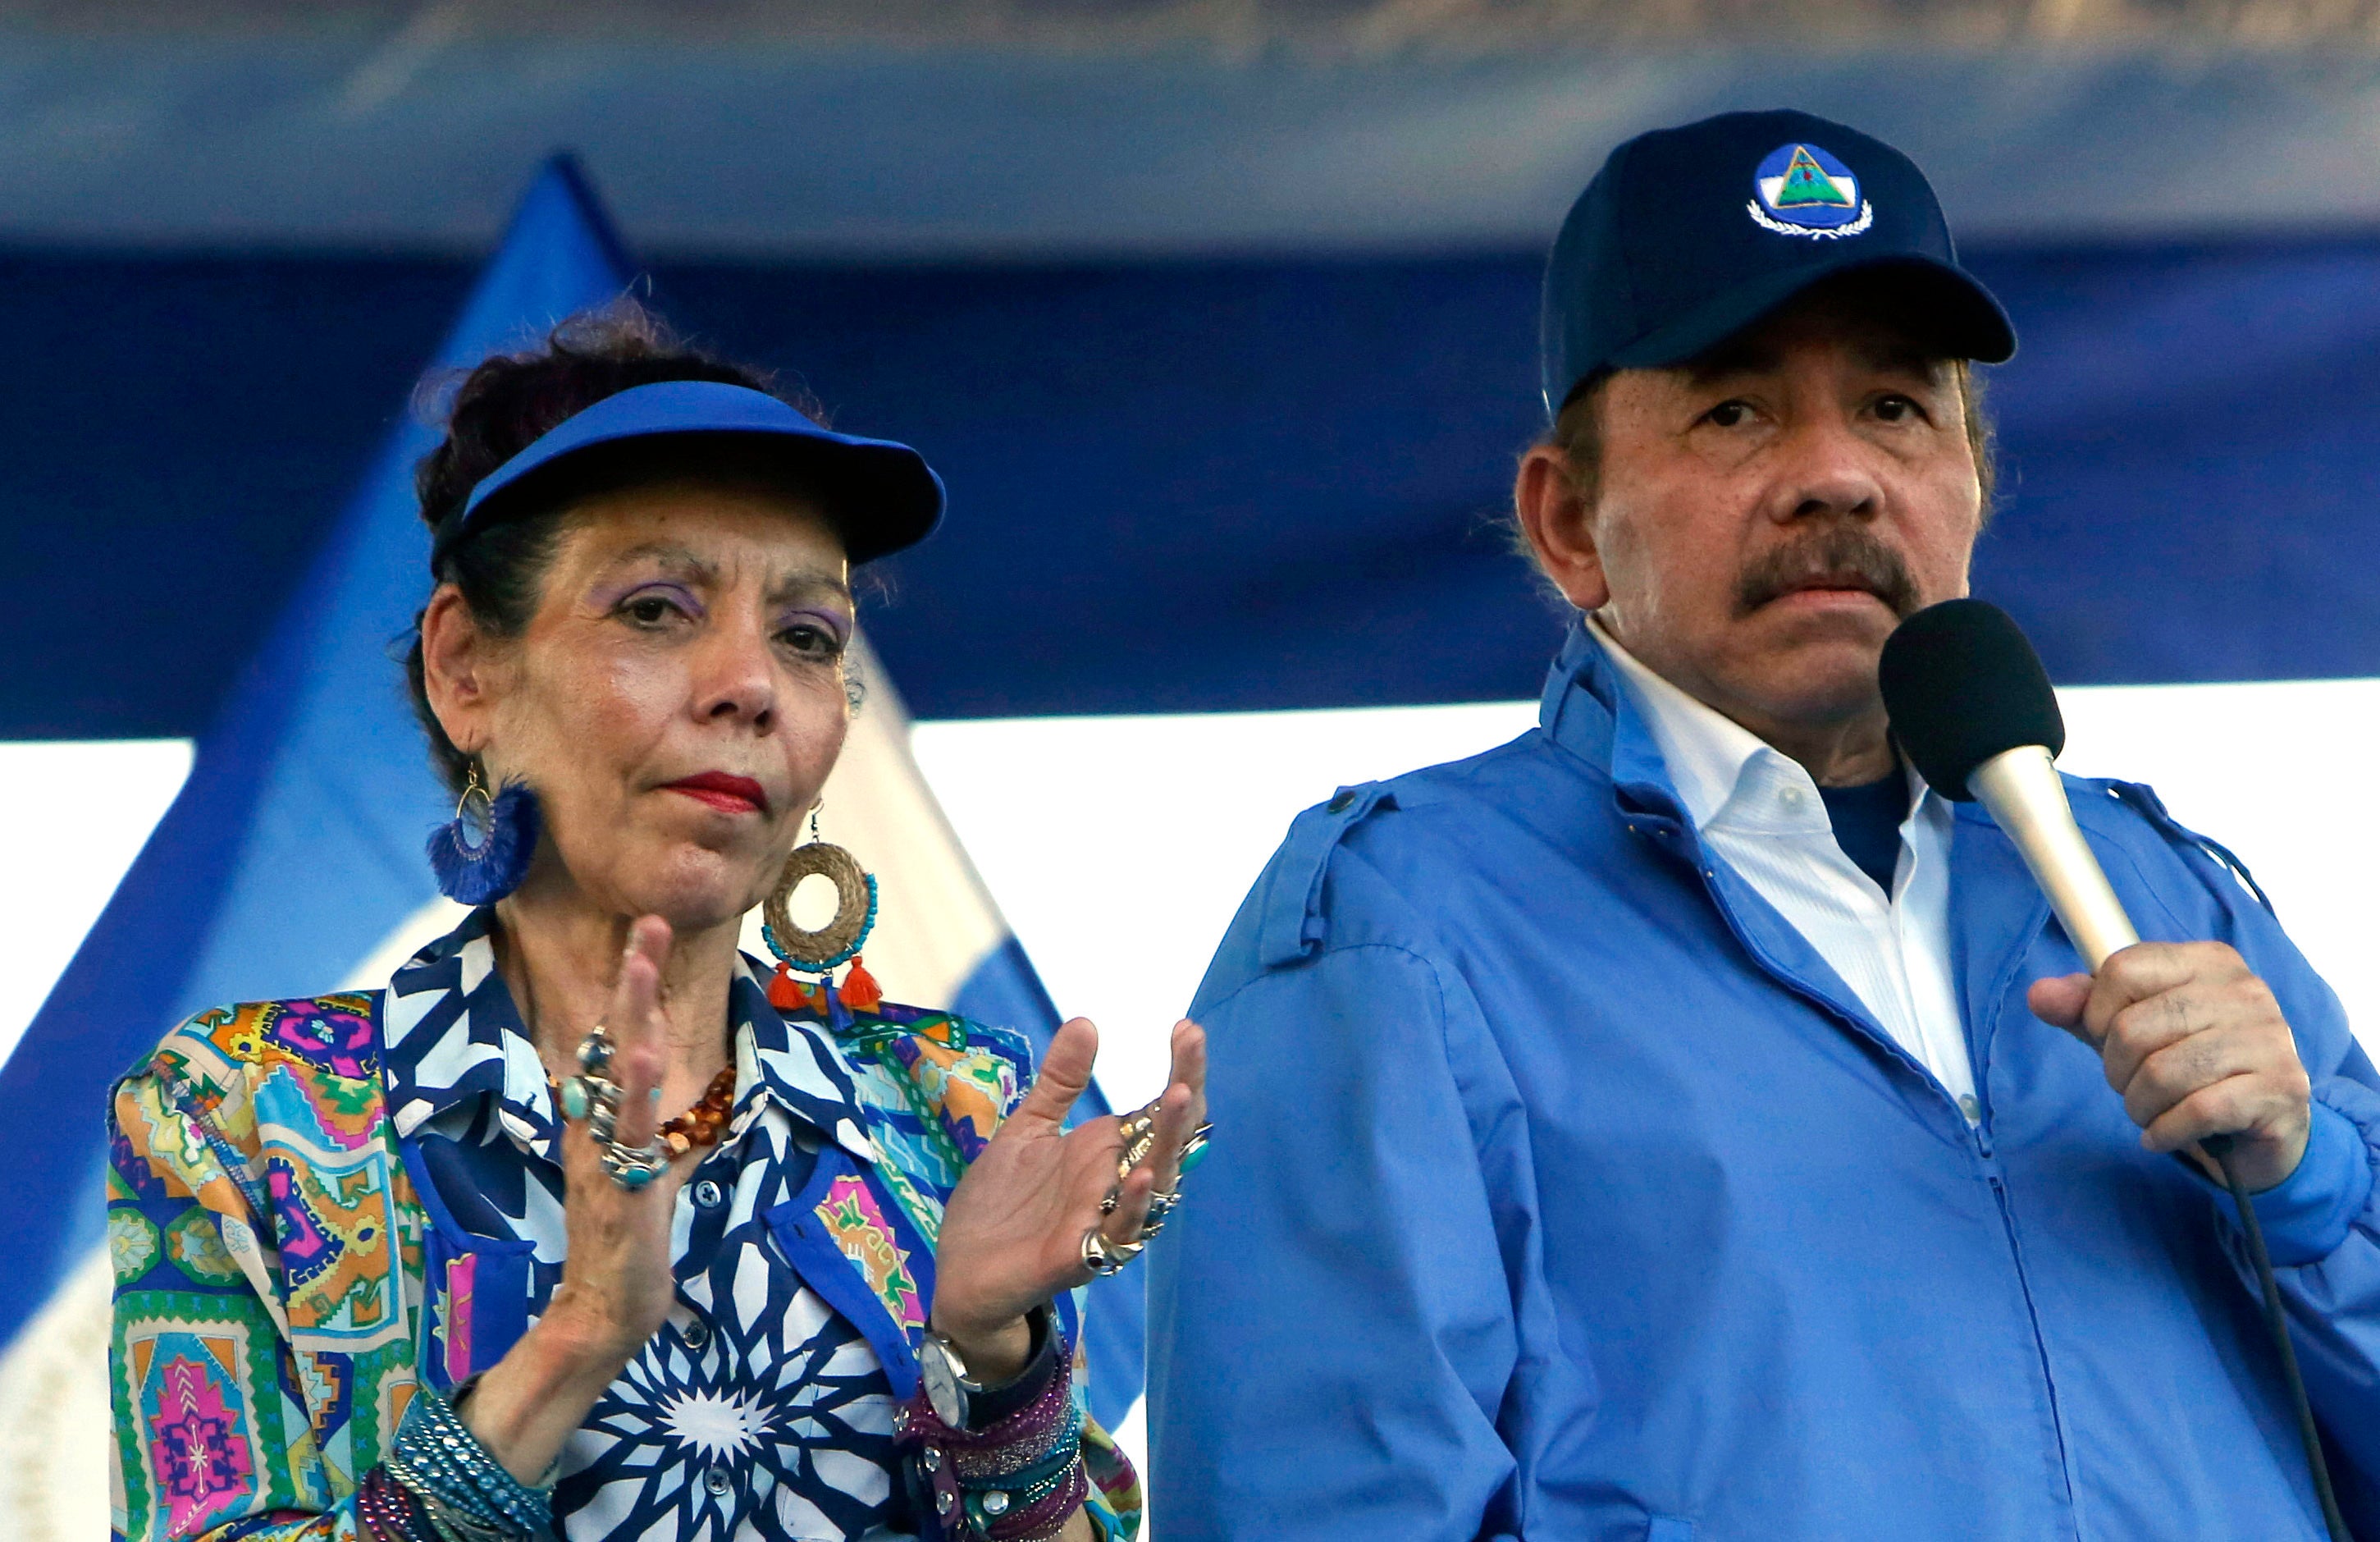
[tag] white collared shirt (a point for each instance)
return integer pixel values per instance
(1759, 810)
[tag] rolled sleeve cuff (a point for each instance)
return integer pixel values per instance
(2309, 1214)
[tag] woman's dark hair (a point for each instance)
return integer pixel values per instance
(498, 409)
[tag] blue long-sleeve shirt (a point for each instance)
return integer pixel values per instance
(1563, 1191)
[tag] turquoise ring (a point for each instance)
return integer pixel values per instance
(631, 1168)
(1194, 1150)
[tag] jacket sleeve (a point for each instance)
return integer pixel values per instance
(2323, 1224)
(2327, 1243)
(1346, 1313)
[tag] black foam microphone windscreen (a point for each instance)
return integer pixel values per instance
(1963, 684)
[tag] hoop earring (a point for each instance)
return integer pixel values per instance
(478, 860)
(836, 943)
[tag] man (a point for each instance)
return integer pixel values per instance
(1680, 1123)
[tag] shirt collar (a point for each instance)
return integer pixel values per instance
(453, 1034)
(1722, 771)
(794, 1058)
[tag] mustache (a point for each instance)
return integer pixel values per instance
(1835, 556)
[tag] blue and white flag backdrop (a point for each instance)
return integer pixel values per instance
(290, 863)
(1291, 513)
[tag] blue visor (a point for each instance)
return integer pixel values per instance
(882, 497)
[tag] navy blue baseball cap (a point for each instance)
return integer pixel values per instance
(1687, 235)
(882, 497)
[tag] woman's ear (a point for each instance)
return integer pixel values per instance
(457, 670)
(1555, 519)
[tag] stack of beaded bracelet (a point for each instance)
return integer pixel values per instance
(464, 1493)
(385, 1512)
(1016, 1481)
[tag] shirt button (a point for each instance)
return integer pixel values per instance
(696, 1333)
(717, 1480)
(1969, 1107)
(708, 1195)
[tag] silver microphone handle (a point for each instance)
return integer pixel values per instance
(2027, 799)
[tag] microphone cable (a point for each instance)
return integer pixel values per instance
(1974, 712)
(2276, 1320)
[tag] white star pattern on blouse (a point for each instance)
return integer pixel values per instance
(716, 1424)
(758, 1413)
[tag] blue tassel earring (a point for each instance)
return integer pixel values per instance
(482, 872)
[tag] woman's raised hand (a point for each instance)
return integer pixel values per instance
(1013, 1233)
(616, 1285)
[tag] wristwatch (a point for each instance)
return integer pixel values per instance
(961, 1401)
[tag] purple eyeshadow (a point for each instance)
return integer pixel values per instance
(615, 595)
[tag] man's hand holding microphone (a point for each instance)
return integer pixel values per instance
(2186, 1032)
(2189, 1036)
(2198, 1048)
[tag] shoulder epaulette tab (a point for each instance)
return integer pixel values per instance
(2138, 798)
(1290, 924)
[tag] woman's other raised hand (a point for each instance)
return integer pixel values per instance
(1013, 1234)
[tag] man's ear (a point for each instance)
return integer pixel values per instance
(1555, 519)
(457, 670)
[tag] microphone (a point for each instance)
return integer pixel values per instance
(1974, 710)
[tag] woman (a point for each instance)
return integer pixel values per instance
(584, 1222)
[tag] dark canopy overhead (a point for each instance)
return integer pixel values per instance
(1219, 313)
(958, 128)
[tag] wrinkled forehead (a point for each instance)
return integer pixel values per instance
(709, 533)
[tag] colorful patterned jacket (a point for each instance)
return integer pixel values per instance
(282, 1289)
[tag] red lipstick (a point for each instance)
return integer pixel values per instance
(727, 794)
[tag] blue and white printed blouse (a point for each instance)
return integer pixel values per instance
(759, 1411)
(317, 1206)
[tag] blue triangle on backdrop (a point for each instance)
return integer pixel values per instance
(295, 846)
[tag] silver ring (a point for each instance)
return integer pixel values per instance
(631, 1169)
(1161, 1206)
(598, 1097)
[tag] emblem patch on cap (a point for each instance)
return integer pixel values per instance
(1801, 190)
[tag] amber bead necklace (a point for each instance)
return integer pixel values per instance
(699, 1125)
